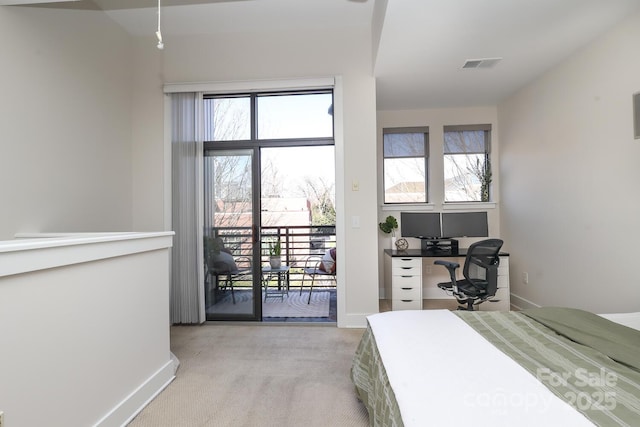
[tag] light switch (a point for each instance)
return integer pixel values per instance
(355, 186)
(355, 222)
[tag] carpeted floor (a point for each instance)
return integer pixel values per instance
(246, 375)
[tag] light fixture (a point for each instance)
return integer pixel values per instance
(159, 32)
(481, 63)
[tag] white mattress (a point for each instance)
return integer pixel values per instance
(631, 320)
(429, 357)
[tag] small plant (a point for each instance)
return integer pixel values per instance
(485, 181)
(389, 225)
(275, 249)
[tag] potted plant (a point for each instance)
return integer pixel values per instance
(275, 250)
(389, 226)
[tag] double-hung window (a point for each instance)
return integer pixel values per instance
(406, 155)
(467, 166)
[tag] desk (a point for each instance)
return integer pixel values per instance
(410, 277)
(282, 274)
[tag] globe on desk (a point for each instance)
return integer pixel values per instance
(402, 244)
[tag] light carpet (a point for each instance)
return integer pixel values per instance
(295, 305)
(259, 376)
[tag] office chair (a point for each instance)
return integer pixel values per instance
(480, 273)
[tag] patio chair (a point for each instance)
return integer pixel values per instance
(224, 269)
(323, 267)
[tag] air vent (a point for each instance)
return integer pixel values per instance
(481, 63)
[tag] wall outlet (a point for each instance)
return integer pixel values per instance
(525, 278)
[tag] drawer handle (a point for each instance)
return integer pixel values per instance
(406, 289)
(406, 276)
(406, 300)
(406, 259)
(406, 268)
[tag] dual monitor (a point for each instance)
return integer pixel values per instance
(435, 225)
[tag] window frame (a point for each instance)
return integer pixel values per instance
(486, 129)
(253, 140)
(400, 130)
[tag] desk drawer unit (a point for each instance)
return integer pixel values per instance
(406, 286)
(503, 294)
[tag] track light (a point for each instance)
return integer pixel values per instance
(159, 32)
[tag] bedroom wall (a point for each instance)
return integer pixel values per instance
(65, 115)
(436, 119)
(569, 179)
(274, 55)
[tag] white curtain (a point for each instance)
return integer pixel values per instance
(187, 268)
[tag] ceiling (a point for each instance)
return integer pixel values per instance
(423, 44)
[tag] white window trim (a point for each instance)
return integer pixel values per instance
(460, 206)
(418, 207)
(251, 86)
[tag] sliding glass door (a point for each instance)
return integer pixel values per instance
(267, 157)
(231, 236)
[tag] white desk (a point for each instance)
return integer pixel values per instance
(410, 276)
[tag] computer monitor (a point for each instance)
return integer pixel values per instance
(420, 224)
(465, 224)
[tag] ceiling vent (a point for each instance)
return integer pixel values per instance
(481, 63)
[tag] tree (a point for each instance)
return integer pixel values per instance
(321, 195)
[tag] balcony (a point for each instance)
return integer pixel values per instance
(297, 242)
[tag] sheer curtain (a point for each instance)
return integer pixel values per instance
(187, 268)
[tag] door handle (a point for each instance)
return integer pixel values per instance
(254, 234)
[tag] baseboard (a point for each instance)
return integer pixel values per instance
(126, 410)
(520, 303)
(358, 320)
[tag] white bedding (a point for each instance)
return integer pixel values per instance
(431, 359)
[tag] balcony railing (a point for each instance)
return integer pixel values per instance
(297, 243)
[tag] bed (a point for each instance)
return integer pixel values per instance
(539, 367)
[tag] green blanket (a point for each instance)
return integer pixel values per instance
(618, 342)
(590, 362)
(372, 385)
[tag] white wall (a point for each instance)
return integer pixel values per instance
(65, 116)
(85, 328)
(570, 174)
(436, 119)
(275, 55)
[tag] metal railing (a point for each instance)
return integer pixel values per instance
(298, 243)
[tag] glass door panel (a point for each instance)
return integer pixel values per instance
(229, 232)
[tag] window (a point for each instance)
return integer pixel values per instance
(307, 115)
(227, 118)
(269, 116)
(406, 154)
(467, 168)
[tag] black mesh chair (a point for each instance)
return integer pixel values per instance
(480, 273)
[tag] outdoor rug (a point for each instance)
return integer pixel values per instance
(292, 305)
(295, 305)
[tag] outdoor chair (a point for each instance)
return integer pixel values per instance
(322, 267)
(224, 270)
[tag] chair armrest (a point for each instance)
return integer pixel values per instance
(451, 266)
(448, 264)
(243, 261)
(313, 261)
